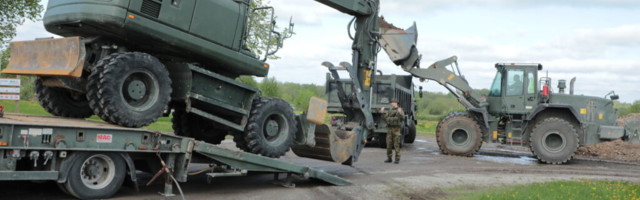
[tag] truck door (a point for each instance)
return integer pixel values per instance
(531, 92)
(514, 97)
(218, 21)
(177, 13)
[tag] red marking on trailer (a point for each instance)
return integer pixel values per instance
(104, 138)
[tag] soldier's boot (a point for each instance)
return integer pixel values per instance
(397, 161)
(388, 160)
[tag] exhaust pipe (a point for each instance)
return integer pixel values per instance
(571, 84)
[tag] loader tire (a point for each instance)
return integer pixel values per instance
(554, 141)
(459, 134)
(197, 127)
(133, 89)
(271, 127)
(62, 102)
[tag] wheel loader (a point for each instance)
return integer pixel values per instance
(521, 109)
(132, 61)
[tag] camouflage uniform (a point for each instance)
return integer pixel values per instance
(394, 119)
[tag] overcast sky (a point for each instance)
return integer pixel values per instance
(597, 41)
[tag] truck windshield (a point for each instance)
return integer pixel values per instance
(496, 88)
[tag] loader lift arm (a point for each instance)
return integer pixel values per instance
(453, 80)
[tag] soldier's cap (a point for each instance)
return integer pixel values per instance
(394, 100)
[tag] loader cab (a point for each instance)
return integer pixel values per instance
(514, 89)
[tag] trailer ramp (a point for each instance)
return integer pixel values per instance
(256, 163)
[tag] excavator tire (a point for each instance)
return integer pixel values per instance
(133, 89)
(271, 127)
(459, 134)
(92, 86)
(554, 141)
(62, 102)
(197, 127)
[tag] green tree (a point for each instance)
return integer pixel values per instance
(249, 80)
(301, 101)
(259, 38)
(269, 87)
(13, 13)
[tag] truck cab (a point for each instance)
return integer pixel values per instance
(514, 89)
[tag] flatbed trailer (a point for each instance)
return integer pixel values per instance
(91, 160)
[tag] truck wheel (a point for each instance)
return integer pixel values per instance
(458, 134)
(554, 141)
(96, 175)
(62, 102)
(271, 127)
(191, 125)
(133, 89)
(411, 132)
(382, 140)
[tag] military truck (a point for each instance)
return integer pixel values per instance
(386, 87)
(132, 61)
(522, 109)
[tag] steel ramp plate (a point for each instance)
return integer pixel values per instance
(252, 162)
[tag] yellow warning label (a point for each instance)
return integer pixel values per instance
(583, 111)
(367, 79)
(451, 76)
(600, 116)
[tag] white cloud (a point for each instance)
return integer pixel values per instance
(600, 50)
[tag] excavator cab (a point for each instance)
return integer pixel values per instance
(514, 89)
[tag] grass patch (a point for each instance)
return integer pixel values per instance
(33, 108)
(426, 128)
(584, 189)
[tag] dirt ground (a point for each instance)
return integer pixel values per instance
(423, 173)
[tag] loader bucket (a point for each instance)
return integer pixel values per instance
(331, 144)
(400, 44)
(47, 57)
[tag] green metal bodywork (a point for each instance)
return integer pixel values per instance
(209, 32)
(510, 111)
(22, 136)
(385, 88)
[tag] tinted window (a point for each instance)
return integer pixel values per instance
(514, 82)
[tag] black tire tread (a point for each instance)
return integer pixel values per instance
(57, 101)
(108, 74)
(440, 139)
(541, 124)
(253, 133)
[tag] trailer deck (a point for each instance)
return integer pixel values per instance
(54, 148)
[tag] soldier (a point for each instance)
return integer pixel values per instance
(394, 119)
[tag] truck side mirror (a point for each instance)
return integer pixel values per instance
(420, 91)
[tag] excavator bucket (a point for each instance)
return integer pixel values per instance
(400, 44)
(331, 144)
(319, 141)
(47, 57)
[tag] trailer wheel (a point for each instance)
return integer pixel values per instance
(133, 89)
(191, 125)
(554, 141)
(62, 102)
(458, 134)
(411, 132)
(271, 127)
(96, 175)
